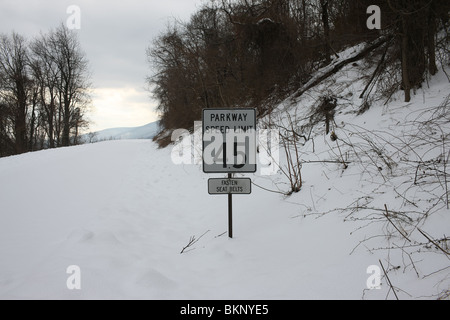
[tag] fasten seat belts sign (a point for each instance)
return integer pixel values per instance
(229, 140)
(230, 186)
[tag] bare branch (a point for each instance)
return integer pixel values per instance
(192, 241)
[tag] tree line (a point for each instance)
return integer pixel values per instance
(254, 53)
(44, 91)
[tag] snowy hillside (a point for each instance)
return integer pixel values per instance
(147, 131)
(122, 212)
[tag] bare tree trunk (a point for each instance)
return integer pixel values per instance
(51, 137)
(58, 121)
(32, 128)
(66, 123)
(326, 30)
(305, 23)
(432, 68)
(405, 72)
(20, 127)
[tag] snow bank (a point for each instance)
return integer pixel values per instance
(123, 212)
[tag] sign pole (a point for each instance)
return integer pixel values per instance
(230, 212)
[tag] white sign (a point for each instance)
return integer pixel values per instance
(229, 140)
(230, 186)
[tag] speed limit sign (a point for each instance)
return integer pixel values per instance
(229, 140)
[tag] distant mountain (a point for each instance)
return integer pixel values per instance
(147, 131)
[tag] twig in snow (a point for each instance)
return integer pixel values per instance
(387, 217)
(433, 242)
(445, 171)
(221, 234)
(388, 280)
(192, 240)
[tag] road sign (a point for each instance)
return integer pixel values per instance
(230, 186)
(229, 140)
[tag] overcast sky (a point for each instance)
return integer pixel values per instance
(114, 35)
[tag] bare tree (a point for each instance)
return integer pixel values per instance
(47, 76)
(15, 84)
(415, 24)
(73, 79)
(44, 91)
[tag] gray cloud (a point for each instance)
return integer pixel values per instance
(114, 34)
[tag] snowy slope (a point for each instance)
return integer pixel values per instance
(123, 211)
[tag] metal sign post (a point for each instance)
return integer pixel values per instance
(229, 146)
(230, 212)
(229, 187)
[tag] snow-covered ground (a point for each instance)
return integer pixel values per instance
(122, 212)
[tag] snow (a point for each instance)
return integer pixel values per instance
(123, 211)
